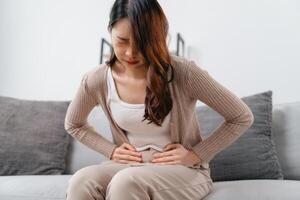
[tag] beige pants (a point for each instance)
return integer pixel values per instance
(114, 181)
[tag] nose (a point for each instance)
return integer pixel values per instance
(131, 51)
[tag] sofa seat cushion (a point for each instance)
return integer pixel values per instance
(36, 187)
(54, 187)
(255, 189)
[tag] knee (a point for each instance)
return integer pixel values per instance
(83, 185)
(85, 181)
(77, 179)
(124, 181)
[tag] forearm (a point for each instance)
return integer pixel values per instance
(223, 136)
(90, 138)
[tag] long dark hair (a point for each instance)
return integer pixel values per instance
(150, 29)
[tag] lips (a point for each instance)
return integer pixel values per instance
(132, 62)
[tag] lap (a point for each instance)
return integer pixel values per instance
(161, 181)
(164, 181)
(160, 176)
(165, 176)
(101, 173)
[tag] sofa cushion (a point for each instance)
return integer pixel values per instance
(32, 136)
(286, 131)
(34, 187)
(255, 189)
(251, 156)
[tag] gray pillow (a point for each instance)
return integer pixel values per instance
(32, 136)
(251, 156)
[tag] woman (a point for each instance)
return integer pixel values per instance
(149, 97)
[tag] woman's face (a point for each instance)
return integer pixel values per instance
(124, 44)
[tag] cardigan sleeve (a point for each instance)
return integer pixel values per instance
(238, 116)
(76, 120)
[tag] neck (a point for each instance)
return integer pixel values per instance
(136, 72)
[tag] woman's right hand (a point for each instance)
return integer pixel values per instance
(125, 154)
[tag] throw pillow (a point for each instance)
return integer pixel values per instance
(32, 136)
(251, 156)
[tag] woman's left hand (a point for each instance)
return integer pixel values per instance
(176, 154)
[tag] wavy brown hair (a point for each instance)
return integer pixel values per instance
(150, 29)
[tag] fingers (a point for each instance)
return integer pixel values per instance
(166, 159)
(169, 156)
(128, 146)
(128, 157)
(126, 153)
(171, 146)
(167, 153)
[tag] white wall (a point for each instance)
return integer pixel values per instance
(248, 46)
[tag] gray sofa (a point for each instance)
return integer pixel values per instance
(286, 135)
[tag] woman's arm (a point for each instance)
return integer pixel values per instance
(238, 117)
(76, 120)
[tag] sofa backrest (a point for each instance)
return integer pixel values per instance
(285, 130)
(286, 135)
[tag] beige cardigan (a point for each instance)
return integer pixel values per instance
(190, 83)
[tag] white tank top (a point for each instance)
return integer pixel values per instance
(129, 117)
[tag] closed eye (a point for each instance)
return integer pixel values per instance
(122, 39)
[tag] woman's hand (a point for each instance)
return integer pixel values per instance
(176, 154)
(126, 153)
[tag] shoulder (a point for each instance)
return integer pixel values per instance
(94, 77)
(183, 66)
(179, 62)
